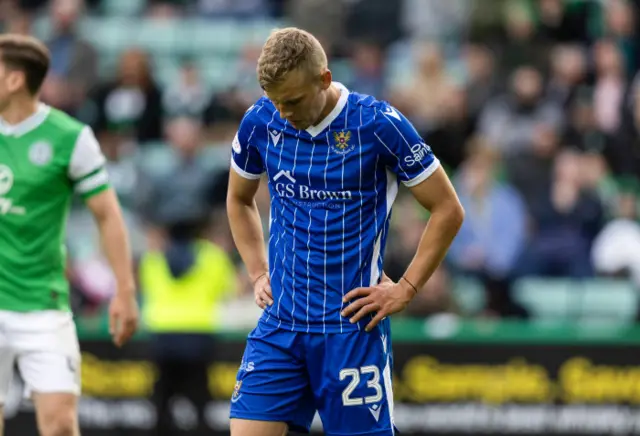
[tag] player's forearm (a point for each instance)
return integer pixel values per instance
(246, 228)
(443, 225)
(115, 243)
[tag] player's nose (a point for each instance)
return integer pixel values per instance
(283, 112)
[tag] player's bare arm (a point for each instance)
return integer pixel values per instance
(123, 311)
(437, 195)
(246, 228)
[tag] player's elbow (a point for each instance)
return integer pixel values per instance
(451, 212)
(235, 200)
(457, 214)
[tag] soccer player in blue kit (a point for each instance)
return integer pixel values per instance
(333, 160)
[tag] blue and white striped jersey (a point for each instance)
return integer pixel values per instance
(332, 188)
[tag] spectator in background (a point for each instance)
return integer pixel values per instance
(495, 229)
(623, 154)
(566, 219)
(436, 19)
(581, 131)
(74, 62)
(226, 108)
(616, 249)
(450, 138)
(246, 85)
(367, 64)
(184, 288)
(130, 105)
(562, 22)
(524, 126)
(424, 96)
(511, 121)
(326, 23)
(187, 96)
(610, 86)
(521, 43)
(568, 74)
(482, 82)
(13, 19)
(621, 21)
(376, 21)
(176, 192)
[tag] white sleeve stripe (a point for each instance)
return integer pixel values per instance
(400, 133)
(424, 175)
(86, 156)
(92, 182)
(244, 173)
(393, 154)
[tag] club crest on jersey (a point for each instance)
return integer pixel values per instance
(40, 153)
(341, 145)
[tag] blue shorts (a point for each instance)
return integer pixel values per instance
(346, 377)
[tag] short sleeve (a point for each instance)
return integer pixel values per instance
(402, 148)
(87, 165)
(245, 156)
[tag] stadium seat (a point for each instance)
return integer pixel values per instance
(159, 36)
(214, 36)
(609, 300)
(112, 35)
(469, 294)
(41, 28)
(548, 299)
(217, 71)
(123, 8)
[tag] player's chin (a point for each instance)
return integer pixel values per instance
(299, 125)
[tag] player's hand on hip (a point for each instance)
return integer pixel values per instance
(262, 291)
(383, 299)
(123, 317)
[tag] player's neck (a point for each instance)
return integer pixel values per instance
(333, 95)
(18, 110)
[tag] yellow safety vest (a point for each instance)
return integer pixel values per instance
(188, 303)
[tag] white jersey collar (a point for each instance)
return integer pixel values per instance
(342, 101)
(27, 124)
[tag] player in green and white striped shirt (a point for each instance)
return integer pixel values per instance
(45, 157)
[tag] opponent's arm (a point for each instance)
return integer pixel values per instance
(90, 180)
(115, 242)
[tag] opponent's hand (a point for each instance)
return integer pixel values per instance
(262, 291)
(123, 317)
(385, 298)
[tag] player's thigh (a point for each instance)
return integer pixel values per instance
(352, 386)
(7, 358)
(56, 413)
(272, 385)
(49, 358)
(245, 427)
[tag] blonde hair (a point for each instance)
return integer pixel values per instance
(287, 50)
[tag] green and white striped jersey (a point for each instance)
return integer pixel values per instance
(43, 161)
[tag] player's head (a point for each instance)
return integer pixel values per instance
(24, 63)
(293, 72)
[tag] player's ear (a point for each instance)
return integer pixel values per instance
(326, 78)
(15, 79)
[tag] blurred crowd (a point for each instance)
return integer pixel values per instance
(533, 106)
